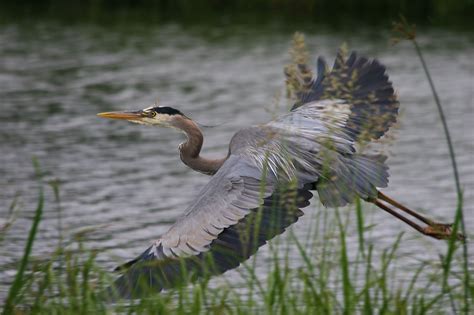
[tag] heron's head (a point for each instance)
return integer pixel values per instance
(161, 116)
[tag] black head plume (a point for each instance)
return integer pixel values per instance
(167, 110)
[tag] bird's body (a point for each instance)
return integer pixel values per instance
(257, 189)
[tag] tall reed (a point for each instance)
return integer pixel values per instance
(403, 30)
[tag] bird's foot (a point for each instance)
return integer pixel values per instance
(441, 231)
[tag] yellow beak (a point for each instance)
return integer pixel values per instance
(122, 115)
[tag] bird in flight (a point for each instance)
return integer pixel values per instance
(269, 173)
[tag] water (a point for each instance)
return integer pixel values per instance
(126, 183)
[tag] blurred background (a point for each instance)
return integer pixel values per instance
(221, 63)
(338, 13)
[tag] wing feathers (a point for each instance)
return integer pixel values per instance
(364, 85)
(148, 273)
(244, 205)
(225, 200)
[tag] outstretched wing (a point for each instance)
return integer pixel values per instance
(361, 83)
(251, 198)
(235, 214)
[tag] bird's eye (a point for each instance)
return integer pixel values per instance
(151, 114)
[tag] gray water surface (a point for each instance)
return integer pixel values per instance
(126, 181)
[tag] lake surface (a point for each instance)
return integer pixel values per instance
(126, 182)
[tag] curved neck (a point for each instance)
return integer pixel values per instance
(191, 148)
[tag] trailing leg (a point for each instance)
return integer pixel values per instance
(433, 229)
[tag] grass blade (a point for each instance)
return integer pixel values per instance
(15, 288)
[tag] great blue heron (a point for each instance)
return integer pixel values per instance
(256, 190)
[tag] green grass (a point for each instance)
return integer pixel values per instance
(18, 282)
(334, 274)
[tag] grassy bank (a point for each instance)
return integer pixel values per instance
(336, 276)
(338, 13)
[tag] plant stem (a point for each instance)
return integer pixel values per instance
(18, 282)
(459, 211)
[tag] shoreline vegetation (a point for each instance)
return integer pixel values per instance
(338, 13)
(335, 277)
